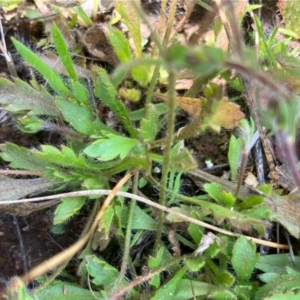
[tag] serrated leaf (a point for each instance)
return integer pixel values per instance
(105, 90)
(63, 52)
(10, 188)
(194, 264)
(19, 96)
(110, 147)
(225, 114)
(80, 117)
(149, 125)
(67, 208)
(66, 157)
(53, 79)
(21, 158)
(103, 273)
(244, 258)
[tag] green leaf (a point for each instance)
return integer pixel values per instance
(132, 20)
(80, 92)
(194, 264)
(276, 263)
(244, 258)
(19, 96)
(80, 117)
(63, 52)
(120, 44)
(10, 188)
(105, 90)
(111, 147)
(103, 273)
(16, 290)
(189, 289)
(221, 295)
(195, 230)
(222, 277)
(21, 158)
(67, 208)
(31, 124)
(55, 291)
(234, 155)
(51, 76)
(149, 125)
(66, 157)
(141, 220)
(282, 284)
(169, 289)
(141, 75)
(181, 159)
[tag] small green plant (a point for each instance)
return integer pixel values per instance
(94, 155)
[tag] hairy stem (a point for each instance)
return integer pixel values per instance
(126, 258)
(167, 153)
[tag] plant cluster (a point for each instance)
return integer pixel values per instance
(186, 259)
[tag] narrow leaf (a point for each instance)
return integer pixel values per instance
(63, 52)
(53, 79)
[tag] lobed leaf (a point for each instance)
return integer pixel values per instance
(19, 96)
(105, 90)
(21, 158)
(66, 157)
(110, 147)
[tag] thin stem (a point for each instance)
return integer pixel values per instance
(167, 154)
(125, 258)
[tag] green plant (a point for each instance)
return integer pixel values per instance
(93, 155)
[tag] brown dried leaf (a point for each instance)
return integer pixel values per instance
(191, 105)
(227, 115)
(97, 43)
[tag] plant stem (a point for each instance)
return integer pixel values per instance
(167, 153)
(126, 258)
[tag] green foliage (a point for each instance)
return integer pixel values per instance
(93, 156)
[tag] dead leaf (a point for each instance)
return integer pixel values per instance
(191, 105)
(227, 115)
(97, 43)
